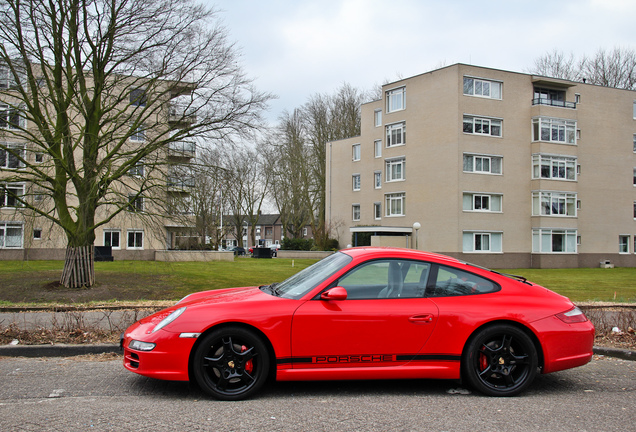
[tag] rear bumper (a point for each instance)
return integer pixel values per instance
(564, 345)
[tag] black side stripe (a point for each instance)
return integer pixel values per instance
(398, 358)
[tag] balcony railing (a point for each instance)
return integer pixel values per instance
(182, 149)
(553, 102)
(180, 183)
(182, 113)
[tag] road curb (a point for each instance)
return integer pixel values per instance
(615, 352)
(56, 350)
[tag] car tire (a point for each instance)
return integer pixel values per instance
(500, 360)
(231, 363)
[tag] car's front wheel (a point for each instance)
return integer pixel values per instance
(231, 363)
(500, 360)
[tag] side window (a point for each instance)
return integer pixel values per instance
(386, 279)
(449, 281)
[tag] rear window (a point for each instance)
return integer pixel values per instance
(449, 281)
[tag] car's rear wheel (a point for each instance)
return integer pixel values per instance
(500, 360)
(231, 363)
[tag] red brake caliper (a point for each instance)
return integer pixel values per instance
(249, 366)
(483, 362)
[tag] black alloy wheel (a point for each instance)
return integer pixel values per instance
(500, 360)
(231, 363)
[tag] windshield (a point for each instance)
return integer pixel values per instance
(304, 281)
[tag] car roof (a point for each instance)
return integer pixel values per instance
(395, 252)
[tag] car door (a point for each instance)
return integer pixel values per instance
(384, 321)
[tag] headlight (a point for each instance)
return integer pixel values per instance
(141, 346)
(167, 320)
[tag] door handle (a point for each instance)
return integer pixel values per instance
(421, 319)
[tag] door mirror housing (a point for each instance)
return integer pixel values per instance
(335, 293)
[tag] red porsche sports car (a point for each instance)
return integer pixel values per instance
(365, 313)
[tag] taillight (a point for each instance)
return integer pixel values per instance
(574, 315)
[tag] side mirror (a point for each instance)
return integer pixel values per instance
(335, 293)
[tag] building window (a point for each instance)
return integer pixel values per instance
(395, 204)
(634, 110)
(356, 182)
(305, 231)
(356, 152)
(11, 118)
(137, 170)
(634, 181)
(138, 97)
(355, 210)
(396, 99)
(482, 202)
(482, 126)
(377, 145)
(553, 204)
(11, 194)
(377, 211)
(482, 164)
(135, 203)
(39, 157)
(634, 143)
(396, 169)
(482, 242)
(482, 88)
(396, 134)
(377, 180)
(111, 238)
(553, 167)
(10, 236)
(135, 239)
(139, 134)
(635, 211)
(377, 118)
(12, 156)
(547, 240)
(554, 130)
(623, 244)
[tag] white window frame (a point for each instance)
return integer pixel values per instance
(482, 123)
(494, 202)
(135, 203)
(377, 179)
(543, 240)
(473, 242)
(4, 226)
(111, 231)
(377, 148)
(475, 163)
(484, 88)
(395, 169)
(377, 118)
(6, 114)
(568, 164)
(139, 134)
(355, 212)
(137, 170)
(37, 233)
(4, 197)
(355, 150)
(565, 130)
(634, 143)
(395, 201)
(396, 99)
(355, 180)
(377, 211)
(544, 202)
(396, 134)
(6, 155)
(135, 232)
(623, 243)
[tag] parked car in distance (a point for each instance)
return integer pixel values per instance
(237, 250)
(365, 313)
(274, 248)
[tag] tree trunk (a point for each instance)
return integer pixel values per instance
(79, 269)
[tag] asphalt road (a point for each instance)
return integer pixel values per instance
(82, 393)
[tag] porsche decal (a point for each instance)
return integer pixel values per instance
(368, 358)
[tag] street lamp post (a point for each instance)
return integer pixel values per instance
(416, 227)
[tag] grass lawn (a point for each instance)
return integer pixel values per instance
(37, 282)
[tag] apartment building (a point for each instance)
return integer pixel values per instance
(133, 233)
(498, 168)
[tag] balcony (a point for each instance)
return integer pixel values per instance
(185, 149)
(553, 102)
(180, 183)
(181, 113)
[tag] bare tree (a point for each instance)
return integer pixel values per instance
(92, 86)
(616, 68)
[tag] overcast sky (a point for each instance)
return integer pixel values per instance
(298, 48)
